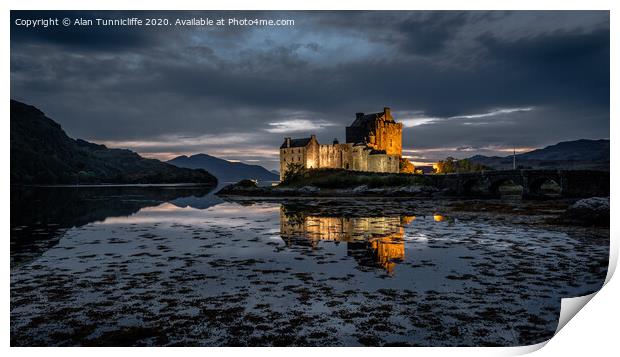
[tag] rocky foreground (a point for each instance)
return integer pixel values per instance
(589, 211)
(249, 273)
(593, 211)
(250, 188)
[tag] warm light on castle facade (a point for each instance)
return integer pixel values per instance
(373, 143)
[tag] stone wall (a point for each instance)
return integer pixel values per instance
(394, 164)
(336, 156)
(359, 158)
(389, 137)
(307, 156)
(313, 154)
(296, 155)
(383, 163)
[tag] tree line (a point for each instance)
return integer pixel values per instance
(452, 165)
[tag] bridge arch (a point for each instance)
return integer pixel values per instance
(475, 186)
(506, 186)
(571, 183)
(545, 186)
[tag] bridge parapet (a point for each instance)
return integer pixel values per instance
(567, 183)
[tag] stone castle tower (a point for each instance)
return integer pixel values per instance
(379, 131)
(373, 143)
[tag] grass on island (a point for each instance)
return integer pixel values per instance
(340, 178)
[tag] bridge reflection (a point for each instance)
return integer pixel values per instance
(374, 242)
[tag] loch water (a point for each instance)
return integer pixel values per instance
(179, 266)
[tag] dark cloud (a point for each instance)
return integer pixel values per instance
(142, 84)
(560, 65)
(430, 34)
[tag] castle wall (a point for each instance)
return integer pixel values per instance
(336, 156)
(329, 156)
(359, 158)
(389, 137)
(377, 163)
(383, 163)
(312, 159)
(296, 155)
(394, 163)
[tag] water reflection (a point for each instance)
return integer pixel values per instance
(372, 241)
(176, 268)
(40, 215)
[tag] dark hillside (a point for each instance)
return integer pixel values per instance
(42, 153)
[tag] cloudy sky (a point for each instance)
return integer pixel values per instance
(462, 83)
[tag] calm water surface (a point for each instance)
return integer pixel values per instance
(148, 266)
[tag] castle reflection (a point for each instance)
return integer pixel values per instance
(372, 241)
(438, 218)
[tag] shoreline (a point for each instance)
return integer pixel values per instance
(551, 212)
(114, 185)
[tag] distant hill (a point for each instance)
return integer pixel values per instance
(577, 154)
(42, 153)
(225, 170)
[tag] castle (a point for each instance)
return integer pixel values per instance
(373, 143)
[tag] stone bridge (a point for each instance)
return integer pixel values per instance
(527, 183)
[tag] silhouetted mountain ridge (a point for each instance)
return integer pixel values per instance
(224, 170)
(577, 154)
(42, 153)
